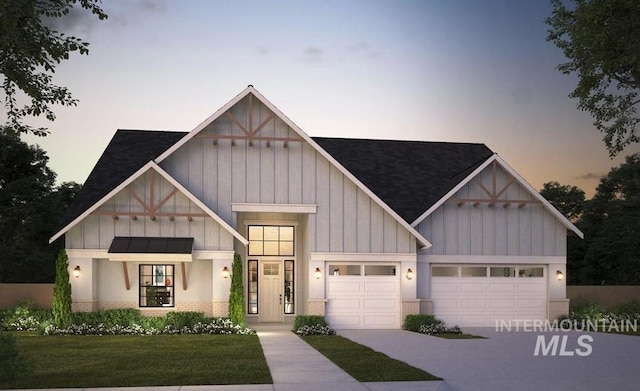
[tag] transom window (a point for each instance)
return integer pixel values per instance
(156, 286)
(271, 240)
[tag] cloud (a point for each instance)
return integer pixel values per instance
(591, 176)
(263, 50)
(78, 19)
(134, 11)
(313, 54)
(363, 50)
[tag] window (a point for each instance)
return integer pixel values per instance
(253, 287)
(379, 270)
(156, 286)
(289, 292)
(444, 271)
(473, 271)
(344, 270)
(531, 272)
(271, 240)
(502, 271)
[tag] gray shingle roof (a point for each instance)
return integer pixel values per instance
(409, 176)
(126, 153)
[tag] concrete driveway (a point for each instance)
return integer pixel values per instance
(506, 360)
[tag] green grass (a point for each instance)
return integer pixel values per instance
(159, 360)
(458, 336)
(363, 363)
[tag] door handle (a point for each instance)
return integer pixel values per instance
(280, 300)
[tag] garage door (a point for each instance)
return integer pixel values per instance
(482, 295)
(363, 296)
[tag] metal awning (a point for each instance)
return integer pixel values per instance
(151, 249)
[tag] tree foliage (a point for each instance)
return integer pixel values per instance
(236, 295)
(610, 251)
(29, 53)
(569, 200)
(30, 208)
(600, 40)
(61, 304)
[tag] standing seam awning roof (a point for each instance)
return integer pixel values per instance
(152, 245)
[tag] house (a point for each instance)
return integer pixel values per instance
(361, 231)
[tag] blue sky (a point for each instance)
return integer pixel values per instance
(471, 71)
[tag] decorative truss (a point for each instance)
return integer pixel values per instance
(494, 194)
(152, 208)
(250, 132)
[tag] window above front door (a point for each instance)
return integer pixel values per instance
(271, 240)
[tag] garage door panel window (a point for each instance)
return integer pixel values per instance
(345, 270)
(379, 270)
(444, 271)
(531, 272)
(502, 271)
(473, 271)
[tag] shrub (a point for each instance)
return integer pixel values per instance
(24, 316)
(11, 363)
(439, 328)
(315, 330)
(179, 320)
(587, 311)
(414, 322)
(61, 305)
(112, 317)
(236, 294)
(308, 320)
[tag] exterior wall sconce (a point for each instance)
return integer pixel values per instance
(409, 274)
(560, 275)
(225, 272)
(318, 273)
(76, 271)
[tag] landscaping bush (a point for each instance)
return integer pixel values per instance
(625, 311)
(24, 316)
(61, 304)
(11, 363)
(439, 328)
(112, 317)
(308, 320)
(179, 320)
(414, 322)
(587, 311)
(311, 325)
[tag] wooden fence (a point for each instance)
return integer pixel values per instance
(606, 296)
(40, 294)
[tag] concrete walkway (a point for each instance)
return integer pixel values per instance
(295, 365)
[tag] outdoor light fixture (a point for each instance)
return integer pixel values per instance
(409, 274)
(560, 275)
(76, 271)
(318, 273)
(225, 272)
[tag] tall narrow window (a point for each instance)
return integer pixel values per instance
(289, 295)
(253, 287)
(156, 286)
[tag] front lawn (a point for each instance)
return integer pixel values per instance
(363, 363)
(133, 361)
(458, 336)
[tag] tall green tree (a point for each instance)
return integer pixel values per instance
(29, 53)
(61, 304)
(30, 208)
(236, 294)
(599, 38)
(569, 200)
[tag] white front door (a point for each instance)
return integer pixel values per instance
(271, 292)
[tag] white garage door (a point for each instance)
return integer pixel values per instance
(482, 295)
(363, 296)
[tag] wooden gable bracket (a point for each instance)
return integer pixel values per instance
(151, 209)
(250, 132)
(493, 194)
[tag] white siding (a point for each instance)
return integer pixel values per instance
(346, 219)
(498, 230)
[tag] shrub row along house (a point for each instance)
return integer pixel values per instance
(361, 231)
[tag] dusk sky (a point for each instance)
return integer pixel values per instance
(467, 71)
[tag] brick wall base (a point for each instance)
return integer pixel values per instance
(317, 307)
(558, 308)
(410, 307)
(84, 306)
(220, 308)
(426, 306)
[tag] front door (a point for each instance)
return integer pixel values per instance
(271, 292)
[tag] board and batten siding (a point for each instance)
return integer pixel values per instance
(97, 231)
(219, 174)
(502, 231)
